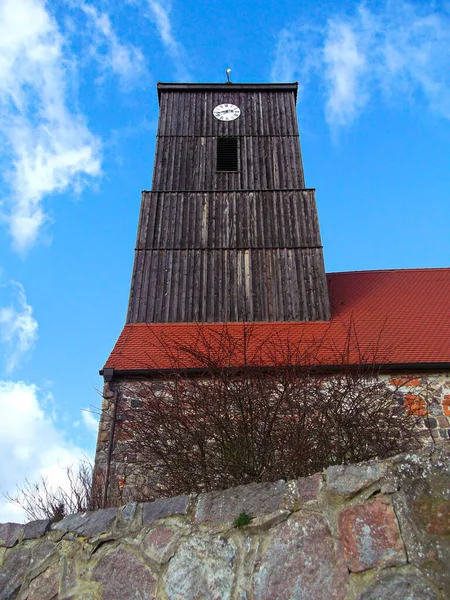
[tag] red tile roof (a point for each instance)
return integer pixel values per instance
(387, 317)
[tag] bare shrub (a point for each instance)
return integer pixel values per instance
(40, 500)
(227, 426)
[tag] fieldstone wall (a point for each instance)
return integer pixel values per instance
(378, 530)
(427, 395)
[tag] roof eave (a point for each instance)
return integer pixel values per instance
(380, 367)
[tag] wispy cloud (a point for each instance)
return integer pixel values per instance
(18, 327)
(112, 53)
(398, 51)
(160, 17)
(297, 54)
(345, 72)
(285, 64)
(46, 142)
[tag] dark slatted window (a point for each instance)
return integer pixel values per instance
(227, 154)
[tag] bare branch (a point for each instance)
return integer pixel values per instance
(235, 425)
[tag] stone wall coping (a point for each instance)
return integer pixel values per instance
(224, 506)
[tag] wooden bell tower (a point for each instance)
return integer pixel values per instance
(228, 231)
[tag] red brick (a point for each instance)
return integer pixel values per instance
(415, 405)
(398, 382)
(413, 383)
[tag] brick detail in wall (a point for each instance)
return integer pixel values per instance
(446, 404)
(415, 405)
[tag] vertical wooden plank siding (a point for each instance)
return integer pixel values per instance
(263, 234)
(228, 246)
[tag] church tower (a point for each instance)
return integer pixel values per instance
(227, 235)
(228, 231)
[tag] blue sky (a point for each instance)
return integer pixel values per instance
(78, 115)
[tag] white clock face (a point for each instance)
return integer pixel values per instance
(226, 112)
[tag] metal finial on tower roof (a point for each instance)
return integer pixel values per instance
(228, 75)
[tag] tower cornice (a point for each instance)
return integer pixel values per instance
(192, 87)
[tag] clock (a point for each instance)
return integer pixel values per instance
(226, 112)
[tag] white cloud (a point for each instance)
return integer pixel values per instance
(30, 444)
(112, 54)
(397, 51)
(160, 17)
(90, 420)
(18, 327)
(47, 142)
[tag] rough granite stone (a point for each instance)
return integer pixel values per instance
(124, 577)
(9, 534)
(395, 585)
(159, 544)
(68, 575)
(129, 511)
(389, 484)
(308, 488)
(36, 529)
(42, 555)
(89, 524)
(370, 536)
(302, 562)
(433, 515)
(266, 522)
(80, 596)
(13, 572)
(422, 509)
(46, 585)
(348, 480)
(164, 507)
(201, 568)
(255, 499)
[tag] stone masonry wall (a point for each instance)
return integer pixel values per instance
(421, 394)
(378, 530)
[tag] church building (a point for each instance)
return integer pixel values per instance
(229, 237)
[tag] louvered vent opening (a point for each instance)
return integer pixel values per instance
(227, 154)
